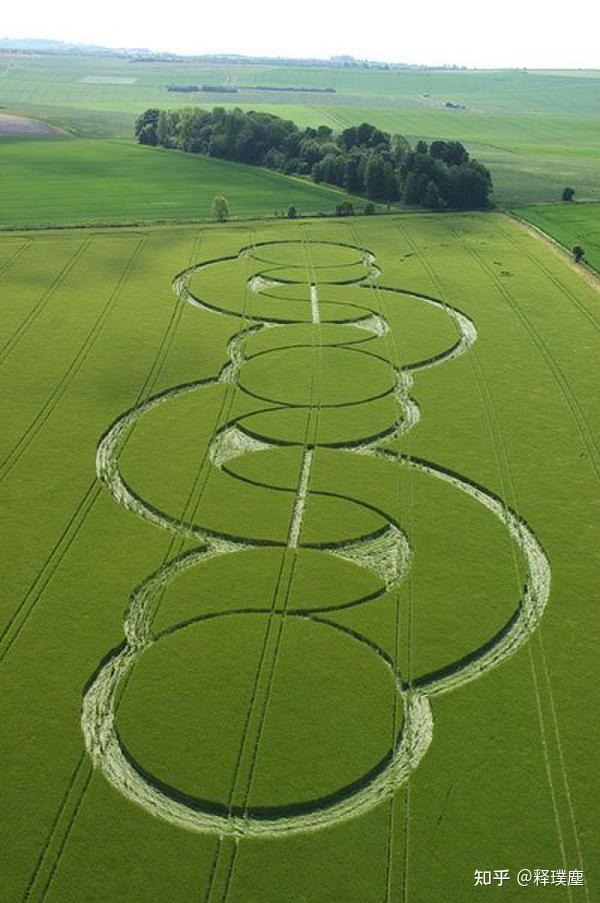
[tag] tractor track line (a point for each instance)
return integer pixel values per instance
(545, 669)
(15, 256)
(84, 505)
(290, 556)
(74, 367)
(40, 305)
(393, 355)
(510, 494)
(578, 415)
(57, 554)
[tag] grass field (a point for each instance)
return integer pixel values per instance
(300, 624)
(570, 224)
(70, 182)
(537, 131)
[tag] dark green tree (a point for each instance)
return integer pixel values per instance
(432, 197)
(412, 190)
(391, 189)
(375, 177)
(145, 127)
(568, 194)
(363, 159)
(349, 138)
(450, 152)
(162, 129)
(399, 147)
(578, 253)
(310, 151)
(220, 209)
(468, 186)
(324, 133)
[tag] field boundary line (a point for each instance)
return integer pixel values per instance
(584, 269)
(564, 290)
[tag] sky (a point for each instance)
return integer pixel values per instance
(474, 33)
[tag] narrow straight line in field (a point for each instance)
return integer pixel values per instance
(59, 811)
(20, 616)
(578, 415)
(392, 356)
(257, 709)
(584, 270)
(503, 466)
(565, 290)
(48, 861)
(213, 869)
(256, 714)
(547, 762)
(177, 542)
(564, 772)
(561, 756)
(222, 869)
(222, 850)
(57, 554)
(404, 507)
(301, 499)
(509, 493)
(590, 445)
(85, 504)
(314, 302)
(200, 481)
(34, 313)
(15, 256)
(74, 367)
(409, 513)
(403, 627)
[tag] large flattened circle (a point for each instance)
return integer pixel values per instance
(313, 254)
(332, 717)
(317, 376)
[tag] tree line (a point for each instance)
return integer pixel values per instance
(362, 159)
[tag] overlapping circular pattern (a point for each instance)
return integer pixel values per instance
(312, 380)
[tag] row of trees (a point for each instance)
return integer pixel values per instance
(221, 213)
(362, 159)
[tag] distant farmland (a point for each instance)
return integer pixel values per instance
(300, 524)
(536, 131)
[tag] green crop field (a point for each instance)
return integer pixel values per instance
(301, 539)
(64, 182)
(536, 131)
(570, 224)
